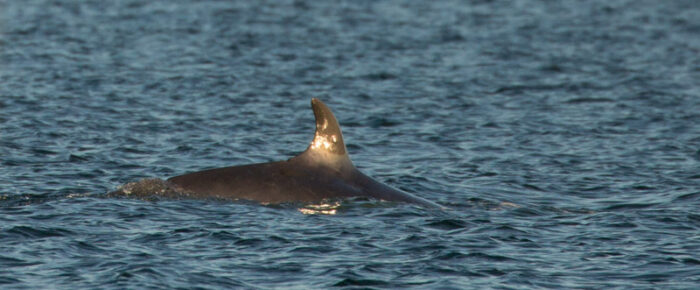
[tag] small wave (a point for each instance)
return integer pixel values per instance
(37, 232)
(589, 100)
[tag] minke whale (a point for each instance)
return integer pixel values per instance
(322, 171)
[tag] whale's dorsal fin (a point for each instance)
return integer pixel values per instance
(327, 147)
(328, 136)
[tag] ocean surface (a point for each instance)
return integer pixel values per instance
(563, 136)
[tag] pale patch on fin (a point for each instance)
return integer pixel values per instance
(328, 136)
(327, 147)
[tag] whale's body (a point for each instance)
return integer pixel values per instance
(321, 172)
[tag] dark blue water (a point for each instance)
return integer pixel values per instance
(563, 135)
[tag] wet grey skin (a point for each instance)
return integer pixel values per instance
(323, 171)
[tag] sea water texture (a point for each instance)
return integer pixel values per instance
(563, 136)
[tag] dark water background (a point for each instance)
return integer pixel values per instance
(564, 136)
